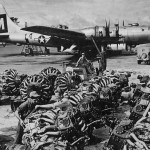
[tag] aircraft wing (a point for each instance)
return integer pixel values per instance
(59, 37)
(67, 38)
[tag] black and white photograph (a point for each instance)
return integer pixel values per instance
(75, 75)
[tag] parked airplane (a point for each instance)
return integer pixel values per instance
(130, 35)
(84, 39)
(54, 37)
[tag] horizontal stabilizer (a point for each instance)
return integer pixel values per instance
(4, 35)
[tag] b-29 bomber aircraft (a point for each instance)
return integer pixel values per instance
(55, 37)
(86, 39)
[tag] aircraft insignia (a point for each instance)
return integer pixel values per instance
(41, 39)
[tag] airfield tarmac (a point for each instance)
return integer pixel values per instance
(10, 58)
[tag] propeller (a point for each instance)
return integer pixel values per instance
(123, 23)
(117, 29)
(107, 27)
(117, 33)
(117, 46)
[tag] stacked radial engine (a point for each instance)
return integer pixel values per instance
(10, 82)
(134, 132)
(39, 82)
(77, 108)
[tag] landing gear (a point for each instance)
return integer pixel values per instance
(148, 62)
(3, 44)
(128, 47)
(47, 51)
(139, 61)
(32, 50)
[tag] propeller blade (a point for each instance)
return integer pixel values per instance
(123, 23)
(109, 23)
(117, 29)
(106, 23)
(107, 28)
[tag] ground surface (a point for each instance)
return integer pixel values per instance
(10, 58)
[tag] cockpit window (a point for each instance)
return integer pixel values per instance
(3, 24)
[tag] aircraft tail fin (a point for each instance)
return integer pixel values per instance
(6, 24)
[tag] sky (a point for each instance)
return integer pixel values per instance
(78, 13)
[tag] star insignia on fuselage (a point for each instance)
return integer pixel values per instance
(42, 39)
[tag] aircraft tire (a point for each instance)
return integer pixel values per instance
(4, 44)
(148, 62)
(139, 61)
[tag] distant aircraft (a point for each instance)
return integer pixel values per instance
(133, 35)
(129, 36)
(84, 39)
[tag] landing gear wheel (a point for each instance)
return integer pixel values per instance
(139, 61)
(4, 44)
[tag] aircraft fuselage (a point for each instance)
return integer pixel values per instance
(135, 35)
(130, 34)
(27, 38)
